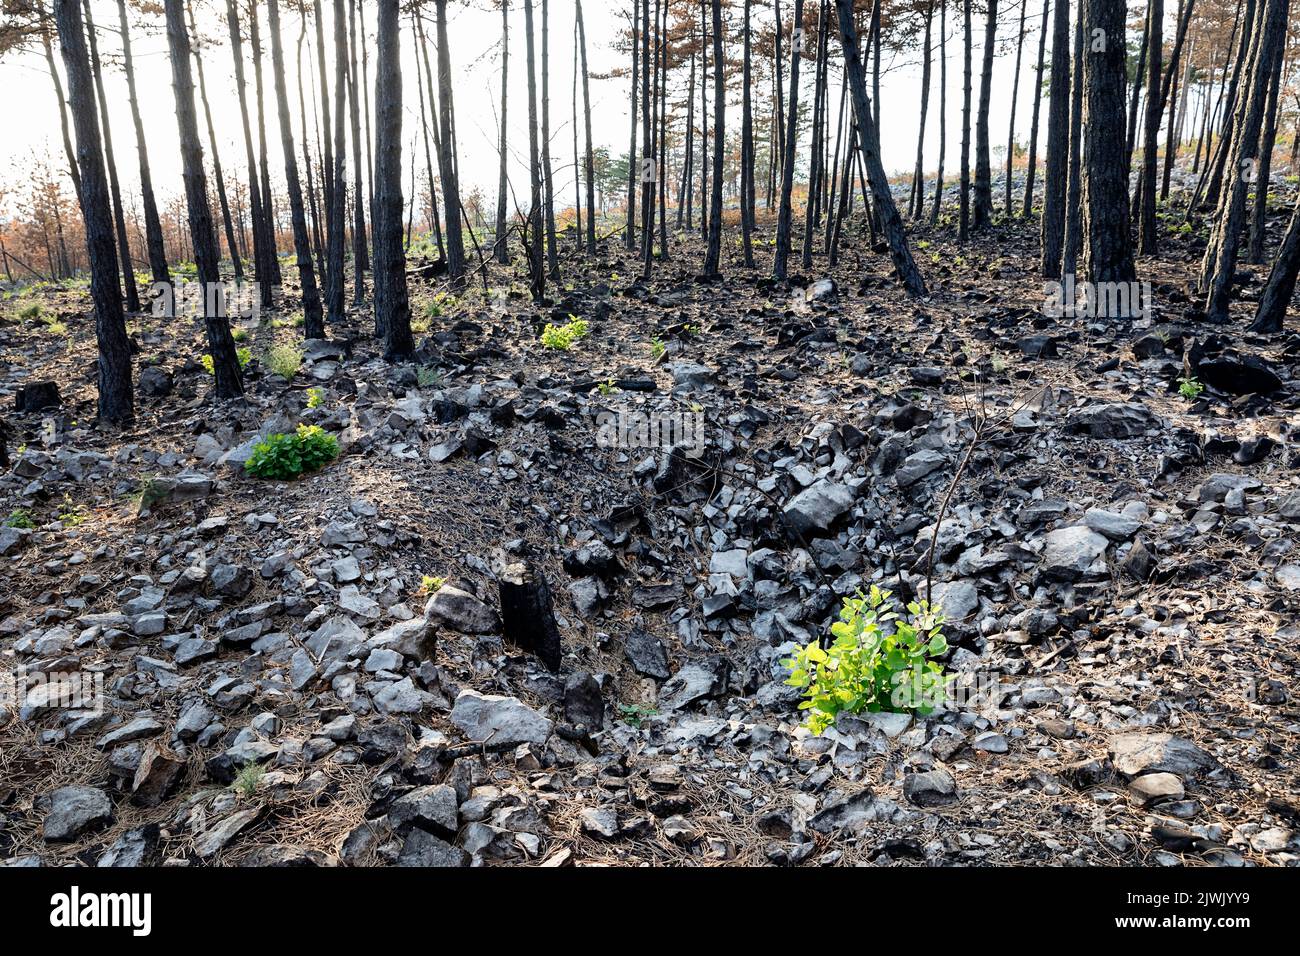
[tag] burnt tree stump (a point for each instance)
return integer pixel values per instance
(528, 615)
(37, 396)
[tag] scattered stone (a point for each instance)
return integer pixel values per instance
(461, 611)
(1140, 753)
(934, 788)
(500, 721)
(74, 811)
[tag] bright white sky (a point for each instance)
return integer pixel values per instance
(32, 120)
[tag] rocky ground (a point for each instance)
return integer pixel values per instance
(284, 683)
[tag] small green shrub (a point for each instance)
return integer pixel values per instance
(245, 783)
(315, 398)
(284, 361)
(879, 661)
(244, 356)
(563, 337)
(19, 519)
(286, 457)
(634, 714)
(431, 585)
(31, 312)
(426, 376)
(239, 335)
(657, 348)
(1190, 388)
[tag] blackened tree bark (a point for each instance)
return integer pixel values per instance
(891, 222)
(713, 255)
(963, 228)
(313, 320)
(1148, 240)
(1015, 98)
(217, 174)
(1056, 171)
(424, 80)
(1108, 254)
(983, 213)
(119, 214)
(629, 236)
(1134, 98)
(69, 150)
(501, 244)
(1220, 264)
(747, 190)
(221, 345)
(360, 248)
(780, 264)
(1281, 282)
(1268, 137)
(937, 206)
(589, 162)
(336, 215)
(392, 300)
(916, 205)
(1032, 172)
(116, 401)
(264, 164)
(261, 255)
(648, 173)
(446, 161)
(152, 224)
(1074, 184)
(535, 245)
(548, 173)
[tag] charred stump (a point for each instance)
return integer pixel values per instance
(528, 615)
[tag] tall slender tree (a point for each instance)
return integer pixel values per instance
(780, 264)
(152, 224)
(535, 245)
(223, 199)
(446, 153)
(590, 159)
(221, 345)
(1056, 171)
(392, 299)
(983, 212)
(1108, 253)
(1031, 173)
(713, 254)
(116, 403)
(896, 237)
(313, 319)
(1148, 239)
(261, 255)
(115, 190)
(501, 244)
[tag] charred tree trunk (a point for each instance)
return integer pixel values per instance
(983, 216)
(590, 156)
(221, 346)
(1058, 146)
(446, 153)
(501, 244)
(119, 213)
(892, 223)
(534, 238)
(1109, 247)
(261, 255)
(1148, 239)
(152, 224)
(116, 400)
(313, 320)
(392, 302)
(785, 215)
(222, 199)
(1031, 173)
(713, 255)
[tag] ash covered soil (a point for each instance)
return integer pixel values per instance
(284, 684)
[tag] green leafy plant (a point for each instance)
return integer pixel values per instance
(426, 376)
(242, 355)
(635, 714)
(31, 312)
(657, 348)
(315, 398)
(564, 337)
(286, 457)
(284, 361)
(246, 781)
(880, 660)
(19, 519)
(608, 387)
(71, 514)
(1190, 388)
(239, 335)
(431, 585)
